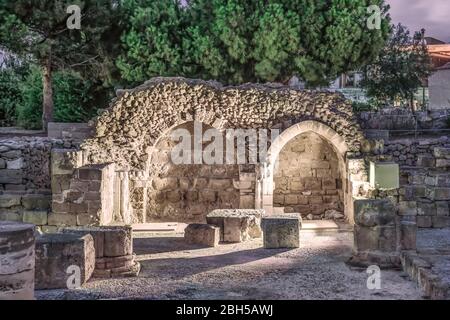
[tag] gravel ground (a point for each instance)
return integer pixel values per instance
(172, 269)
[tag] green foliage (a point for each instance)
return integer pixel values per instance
(236, 41)
(37, 30)
(400, 68)
(11, 75)
(363, 106)
(73, 98)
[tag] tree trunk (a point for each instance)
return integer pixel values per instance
(47, 112)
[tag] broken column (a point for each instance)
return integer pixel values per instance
(113, 250)
(16, 261)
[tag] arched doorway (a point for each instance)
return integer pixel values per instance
(330, 146)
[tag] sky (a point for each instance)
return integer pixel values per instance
(433, 15)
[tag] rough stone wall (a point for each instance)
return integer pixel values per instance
(403, 119)
(25, 163)
(25, 182)
(424, 192)
(135, 120)
(307, 177)
(187, 192)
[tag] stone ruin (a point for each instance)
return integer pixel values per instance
(317, 167)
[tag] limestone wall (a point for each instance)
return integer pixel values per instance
(187, 192)
(25, 163)
(424, 179)
(25, 178)
(307, 177)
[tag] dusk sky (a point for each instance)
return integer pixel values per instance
(433, 15)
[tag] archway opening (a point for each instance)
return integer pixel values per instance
(308, 179)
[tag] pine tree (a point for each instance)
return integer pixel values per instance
(237, 41)
(38, 30)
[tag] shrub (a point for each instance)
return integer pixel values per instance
(75, 99)
(10, 78)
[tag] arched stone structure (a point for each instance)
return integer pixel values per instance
(126, 132)
(264, 198)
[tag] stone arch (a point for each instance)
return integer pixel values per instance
(136, 118)
(264, 198)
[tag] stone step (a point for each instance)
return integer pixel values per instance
(430, 270)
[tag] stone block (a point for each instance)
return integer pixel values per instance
(17, 261)
(442, 208)
(426, 208)
(407, 208)
(236, 225)
(290, 199)
(424, 222)
(202, 234)
(16, 164)
(440, 222)
(113, 250)
(384, 175)
(38, 218)
(118, 241)
(62, 219)
(442, 152)
(371, 213)
(281, 231)
(377, 238)
(9, 201)
(408, 235)
(56, 254)
(443, 163)
(442, 194)
(65, 160)
(165, 183)
(426, 161)
(220, 184)
(36, 202)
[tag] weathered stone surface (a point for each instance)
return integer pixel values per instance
(424, 222)
(281, 231)
(36, 202)
(249, 106)
(55, 253)
(113, 250)
(408, 235)
(236, 225)
(202, 234)
(371, 213)
(378, 238)
(17, 261)
(8, 201)
(35, 217)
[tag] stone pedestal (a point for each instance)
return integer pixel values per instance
(61, 256)
(202, 234)
(113, 250)
(375, 233)
(236, 225)
(17, 261)
(281, 231)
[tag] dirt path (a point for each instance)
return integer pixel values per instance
(172, 269)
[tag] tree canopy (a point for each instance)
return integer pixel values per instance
(400, 69)
(236, 41)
